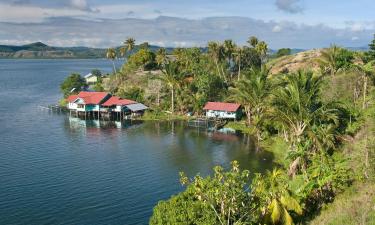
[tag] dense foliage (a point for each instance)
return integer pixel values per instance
(72, 84)
(313, 116)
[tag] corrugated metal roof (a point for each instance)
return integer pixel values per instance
(72, 98)
(92, 98)
(136, 107)
(222, 106)
(114, 100)
(88, 75)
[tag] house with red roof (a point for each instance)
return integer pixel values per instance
(117, 104)
(125, 106)
(103, 104)
(223, 110)
(87, 101)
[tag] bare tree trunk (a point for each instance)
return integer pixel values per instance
(364, 91)
(172, 99)
(239, 70)
(248, 114)
(294, 167)
(114, 67)
(158, 98)
(366, 157)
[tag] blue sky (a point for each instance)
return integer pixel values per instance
(317, 23)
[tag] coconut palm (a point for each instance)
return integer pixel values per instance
(328, 60)
(251, 92)
(238, 54)
(298, 108)
(130, 44)
(229, 47)
(262, 49)
(171, 77)
(253, 41)
(161, 56)
(215, 51)
(366, 71)
(111, 55)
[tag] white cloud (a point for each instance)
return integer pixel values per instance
(177, 32)
(34, 14)
(357, 27)
(277, 28)
(79, 4)
(355, 38)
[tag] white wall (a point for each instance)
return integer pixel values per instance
(72, 106)
(220, 114)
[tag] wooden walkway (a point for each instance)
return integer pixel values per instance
(52, 108)
(207, 123)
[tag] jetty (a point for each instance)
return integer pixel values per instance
(52, 108)
(207, 123)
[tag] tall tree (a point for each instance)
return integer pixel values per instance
(216, 52)
(251, 92)
(366, 72)
(130, 44)
(171, 77)
(253, 41)
(262, 49)
(111, 55)
(161, 56)
(238, 55)
(298, 107)
(371, 53)
(328, 60)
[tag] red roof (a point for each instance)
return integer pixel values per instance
(90, 98)
(222, 106)
(72, 98)
(114, 100)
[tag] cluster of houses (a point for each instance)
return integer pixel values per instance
(103, 105)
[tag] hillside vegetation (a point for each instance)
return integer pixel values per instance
(313, 110)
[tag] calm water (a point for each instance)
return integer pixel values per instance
(59, 170)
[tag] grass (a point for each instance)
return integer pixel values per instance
(354, 206)
(240, 126)
(275, 145)
(158, 115)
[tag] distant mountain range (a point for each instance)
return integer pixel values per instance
(39, 50)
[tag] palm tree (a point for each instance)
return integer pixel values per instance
(328, 60)
(130, 44)
(251, 92)
(273, 192)
(297, 106)
(262, 49)
(253, 41)
(111, 55)
(238, 54)
(172, 77)
(366, 71)
(161, 56)
(215, 51)
(229, 48)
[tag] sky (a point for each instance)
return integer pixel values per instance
(176, 23)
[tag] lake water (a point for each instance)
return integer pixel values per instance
(60, 170)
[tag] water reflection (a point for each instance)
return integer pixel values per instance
(174, 144)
